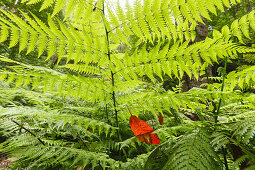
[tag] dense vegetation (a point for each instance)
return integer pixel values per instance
(74, 72)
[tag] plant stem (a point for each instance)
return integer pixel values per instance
(112, 76)
(85, 144)
(83, 141)
(225, 157)
(207, 76)
(107, 116)
(28, 131)
(222, 88)
(218, 110)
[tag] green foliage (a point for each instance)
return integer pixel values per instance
(193, 151)
(81, 120)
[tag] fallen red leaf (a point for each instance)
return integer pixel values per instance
(138, 126)
(160, 118)
(143, 131)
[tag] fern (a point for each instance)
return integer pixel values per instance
(193, 152)
(241, 78)
(244, 130)
(106, 60)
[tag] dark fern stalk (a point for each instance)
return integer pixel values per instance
(224, 150)
(107, 116)
(222, 88)
(225, 157)
(27, 130)
(85, 144)
(112, 75)
(207, 77)
(83, 141)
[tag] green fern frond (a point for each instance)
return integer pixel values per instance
(64, 118)
(239, 161)
(69, 85)
(44, 37)
(241, 78)
(219, 141)
(4, 33)
(240, 27)
(244, 130)
(193, 152)
(43, 155)
(14, 37)
(135, 163)
(83, 68)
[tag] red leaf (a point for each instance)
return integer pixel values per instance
(160, 118)
(143, 131)
(138, 126)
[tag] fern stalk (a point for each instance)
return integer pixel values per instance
(225, 158)
(107, 115)
(85, 144)
(83, 141)
(224, 150)
(222, 88)
(27, 130)
(112, 74)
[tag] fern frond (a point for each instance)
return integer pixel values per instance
(41, 77)
(48, 37)
(193, 152)
(62, 119)
(239, 161)
(135, 163)
(244, 130)
(239, 27)
(14, 37)
(219, 140)
(241, 78)
(41, 156)
(4, 33)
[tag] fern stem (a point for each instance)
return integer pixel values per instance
(83, 141)
(218, 110)
(112, 76)
(107, 115)
(27, 131)
(94, 5)
(225, 158)
(222, 88)
(85, 144)
(207, 77)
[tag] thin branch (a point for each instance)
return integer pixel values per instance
(107, 116)
(216, 115)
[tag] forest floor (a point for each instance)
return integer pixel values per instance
(4, 162)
